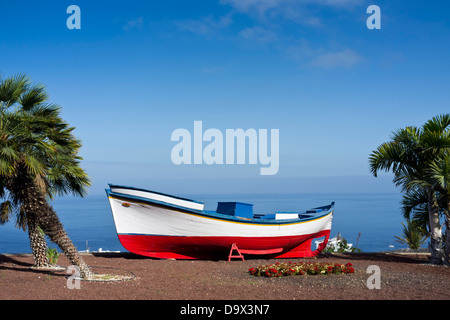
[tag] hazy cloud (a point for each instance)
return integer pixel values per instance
(134, 24)
(268, 27)
(258, 34)
(337, 3)
(248, 5)
(206, 25)
(290, 9)
(345, 58)
(309, 54)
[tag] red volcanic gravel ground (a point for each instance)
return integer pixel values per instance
(403, 277)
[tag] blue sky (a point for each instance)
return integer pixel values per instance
(138, 70)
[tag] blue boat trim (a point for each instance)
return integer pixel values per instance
(326, 210)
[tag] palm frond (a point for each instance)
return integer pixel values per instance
(415, 204)
(439, 172)
(6, 168)
(32, 97)
(11, 88)
(8, 153)
(5, 212)
(439, 123)
(413, 235)
(34, 166)
(388, 156)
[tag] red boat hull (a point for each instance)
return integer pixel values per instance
(179, 247)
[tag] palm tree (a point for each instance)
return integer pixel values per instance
(437, 134)
(38, 160)
(409, 155)
(440, 173)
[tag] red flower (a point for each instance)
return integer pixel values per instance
(285, 269)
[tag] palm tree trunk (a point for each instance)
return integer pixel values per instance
(53, 228)
(447, 234)
(435, 246)
(37, 243)
(37, 209)
(447, 242)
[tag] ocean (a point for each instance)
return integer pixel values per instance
(89, 223)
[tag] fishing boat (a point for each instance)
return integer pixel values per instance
(159, 225)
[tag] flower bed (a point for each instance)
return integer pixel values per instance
(300, 268)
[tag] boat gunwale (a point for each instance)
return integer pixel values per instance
(218, 216)
(154, 192)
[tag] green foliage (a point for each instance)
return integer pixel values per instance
(413, 235)
(412, 152)
(52, 255)
(342, 245)
(35, 142)
(419, 158)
